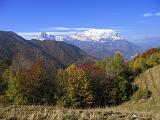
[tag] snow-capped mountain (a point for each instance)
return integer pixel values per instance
(59, 38)
(102, 42)
(92, 35)
(45, 36)
(97, 42)
(96, 35)
(48, 36)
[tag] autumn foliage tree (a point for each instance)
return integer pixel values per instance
(115, 87)
(146, 60)
(105, 82)
(31, 81)
(96, 77)
(35, 85)
(60, 85)
(4, 64)
(78, 89)
(38, 84)
(15, 91)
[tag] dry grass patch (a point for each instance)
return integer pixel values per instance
(52, 113)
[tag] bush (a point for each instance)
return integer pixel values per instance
(14, 91)
(4, 99)
(144, 94)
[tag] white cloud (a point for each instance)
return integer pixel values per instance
(74, 29)
(151, 14)
(148, 14)
(27, 33)
(140, 21)
(65, 29)
(157, 14)
(62, 33)
(117, 27)
(38, 33)
(71, 30)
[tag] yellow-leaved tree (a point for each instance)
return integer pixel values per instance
(78, 89)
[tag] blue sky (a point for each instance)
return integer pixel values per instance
(132, 19)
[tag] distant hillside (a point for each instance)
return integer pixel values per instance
(148, 53)
(103, 42)
(24, 52)
(144, 61)
(63, 52)
(108, 48)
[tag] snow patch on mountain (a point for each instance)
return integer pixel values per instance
(45, 36)
(91, 35)
(48, 36)
(96, 35)
(59, 38)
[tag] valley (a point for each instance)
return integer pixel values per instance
(79, 60)
(49, 79)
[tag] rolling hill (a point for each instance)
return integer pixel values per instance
(147, 98)
(149, 81)
(23, 52)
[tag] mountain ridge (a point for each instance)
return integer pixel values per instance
(26, 52)
(101, 43)
(96, 35)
